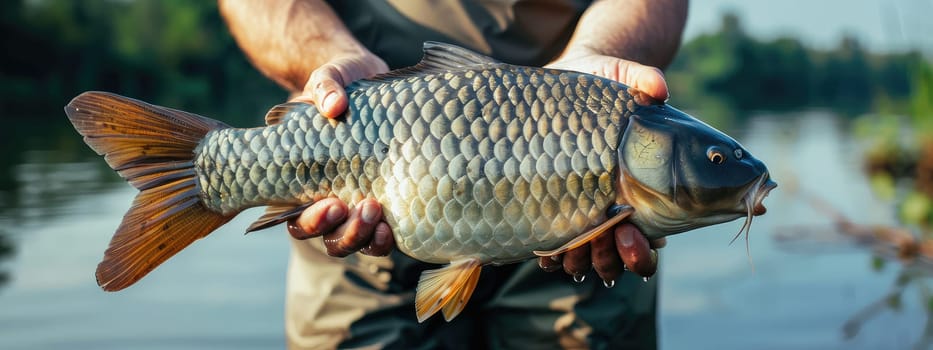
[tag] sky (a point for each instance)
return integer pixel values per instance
(881, 25)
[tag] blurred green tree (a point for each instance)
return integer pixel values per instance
(784, 74)
(171, 52)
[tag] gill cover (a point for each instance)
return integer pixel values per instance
(647, 154)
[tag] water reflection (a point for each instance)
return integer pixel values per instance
(6, 252)
(892, 301)
(59, 206)
(911, 255)
(897, 163)
(44, 168)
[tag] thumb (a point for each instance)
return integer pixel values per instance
(325, 89)
(647, 79)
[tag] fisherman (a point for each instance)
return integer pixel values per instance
(314, 48)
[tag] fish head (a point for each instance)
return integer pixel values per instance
(680, 173)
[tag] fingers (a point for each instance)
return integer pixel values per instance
(551, 263)
(605, 258)
(325, 90)
(647, 79)
(599, 254)
(319, 218)
(345, 231)
(633, 247)
(383, 241)
(577, 262)
(325, 86)
(357, 232)
(659, 243)
(609, 255)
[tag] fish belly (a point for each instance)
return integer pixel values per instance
(488, 164)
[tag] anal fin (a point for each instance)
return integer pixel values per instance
(584, 238)
(277, 214)
(448, 288)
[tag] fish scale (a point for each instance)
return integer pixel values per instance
(484, 163)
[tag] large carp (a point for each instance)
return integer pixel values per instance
(475, 162)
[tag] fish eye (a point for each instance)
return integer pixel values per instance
(715, 155)
(738, 153)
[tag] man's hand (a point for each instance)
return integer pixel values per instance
(647, 79)
(626, 245)
(304, 46)
(325, 86)
(345, 231)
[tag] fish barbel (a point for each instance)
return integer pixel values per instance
(475, 162)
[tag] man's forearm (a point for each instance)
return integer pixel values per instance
(287, 39)
(644, 31)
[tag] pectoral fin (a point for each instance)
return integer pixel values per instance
(447, 288)
(589, 235)
(276, 214)
(280, 112)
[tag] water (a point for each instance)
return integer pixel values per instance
(711, 295)
(59, 205)
(58, 212)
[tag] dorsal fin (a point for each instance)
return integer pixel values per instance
(281, 111)
(438, 58)
(447, 56)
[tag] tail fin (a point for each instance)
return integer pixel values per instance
(152, 148)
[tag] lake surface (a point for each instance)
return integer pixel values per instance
(59, 205)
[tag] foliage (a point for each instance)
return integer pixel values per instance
(179, 53)
(172, 52)
(899, 158)
(921, 103)
(783, 73)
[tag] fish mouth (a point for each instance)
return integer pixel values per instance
(757, 196)
(753, 201)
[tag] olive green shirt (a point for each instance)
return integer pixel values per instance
(529, 32)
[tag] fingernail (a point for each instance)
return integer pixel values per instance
(556, 258)
(370, 214)
(645, 279)
(380, 238)
(579, 277)
(329, 100)
(294, 228)
(547, 268)
(335, 213)
(667, 96)
(609, 283)
(627, 239)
